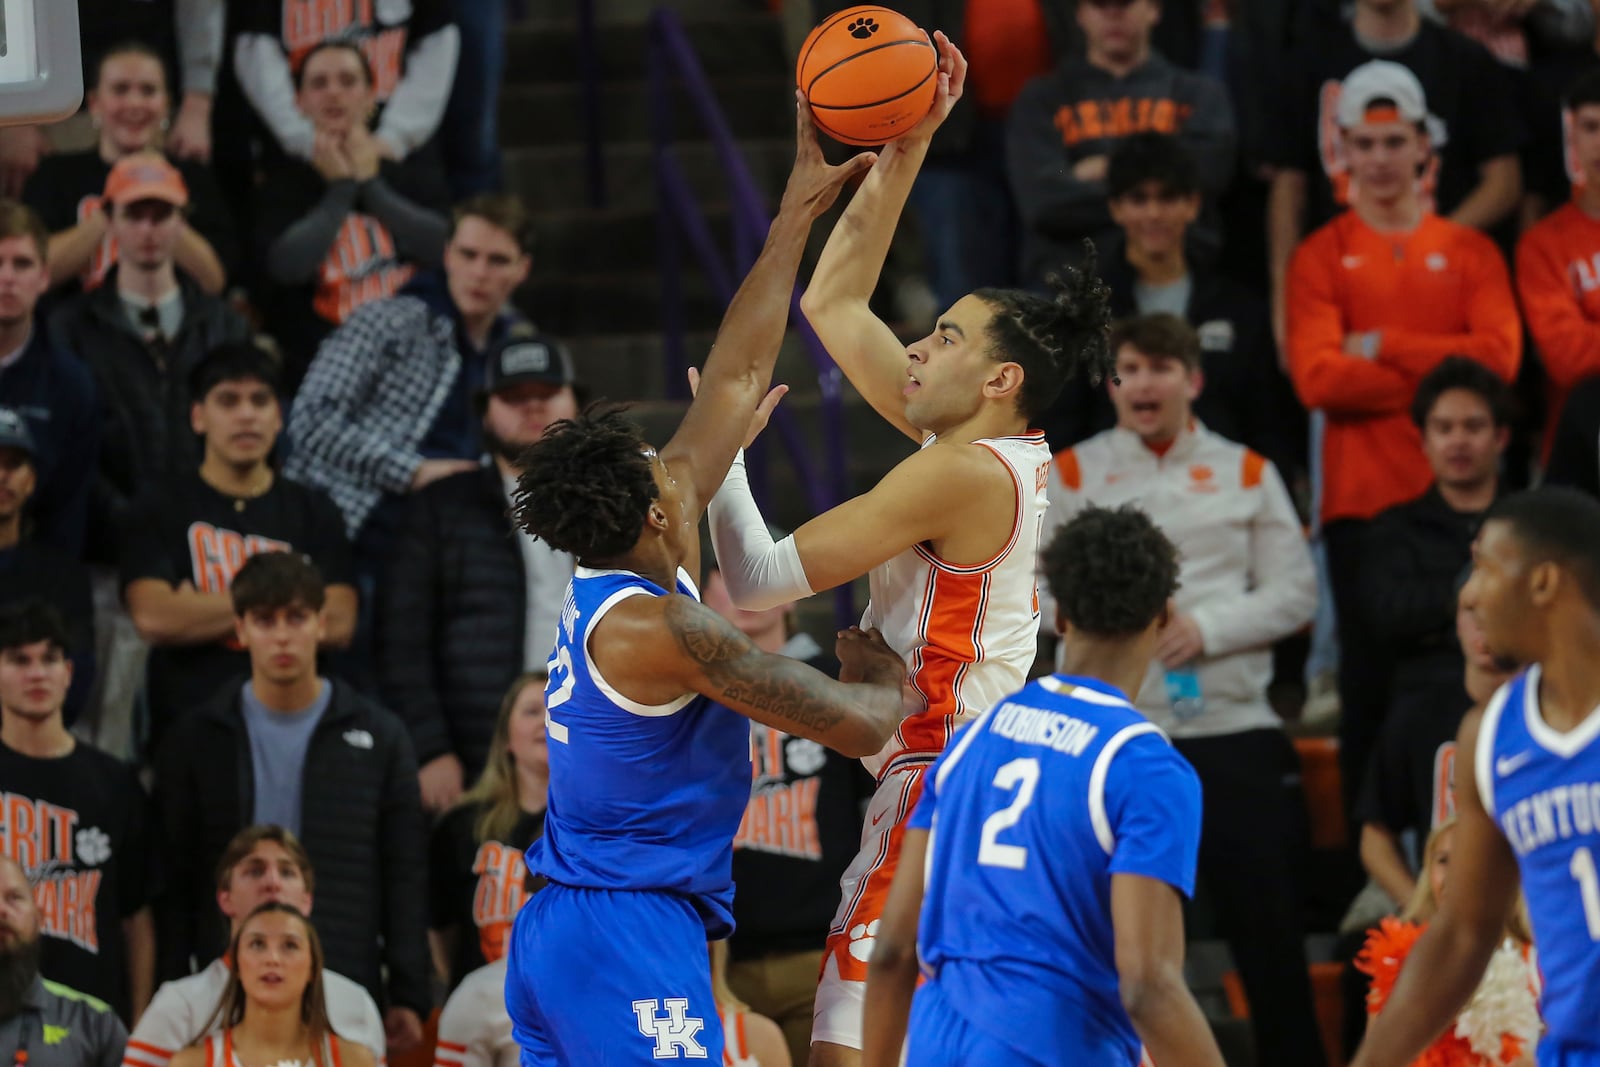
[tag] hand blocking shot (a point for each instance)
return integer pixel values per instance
(650, 695)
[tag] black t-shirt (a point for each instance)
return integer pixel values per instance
(475, 888)
(799, 832)
(1466, 88)
(194, 533)
(363, 262)
(67, 188)
(77, 825)
(1410, 780)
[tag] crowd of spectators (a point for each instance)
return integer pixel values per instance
(263, 389)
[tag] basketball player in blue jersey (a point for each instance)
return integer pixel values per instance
(1527, 789)
(1051, 849)
(649, 697)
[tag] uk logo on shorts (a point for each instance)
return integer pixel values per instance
(675, 1034)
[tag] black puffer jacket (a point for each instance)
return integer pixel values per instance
(450, 617)
(145, 436)
(361, 823)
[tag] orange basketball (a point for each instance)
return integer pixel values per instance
(869, 73)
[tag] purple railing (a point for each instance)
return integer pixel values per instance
(680, 221)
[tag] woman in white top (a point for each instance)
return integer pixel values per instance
(273, 1012)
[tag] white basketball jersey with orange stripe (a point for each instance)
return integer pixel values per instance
(968, 633)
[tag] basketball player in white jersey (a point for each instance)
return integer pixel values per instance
(949, 536)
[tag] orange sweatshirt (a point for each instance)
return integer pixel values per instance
(1558, 279)
(1438, 291)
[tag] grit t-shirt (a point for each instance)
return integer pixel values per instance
(77, 825)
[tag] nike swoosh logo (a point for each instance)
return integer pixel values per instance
(1509, 764)
(876, 819)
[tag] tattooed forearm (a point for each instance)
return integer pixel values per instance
(808, 702)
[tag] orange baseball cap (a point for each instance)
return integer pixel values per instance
(145, 176)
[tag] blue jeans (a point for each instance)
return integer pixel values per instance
(469, 135)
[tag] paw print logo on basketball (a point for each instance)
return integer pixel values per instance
(863, 28)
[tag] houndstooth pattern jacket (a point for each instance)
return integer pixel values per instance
(367, 401)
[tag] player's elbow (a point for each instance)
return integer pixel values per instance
(1148, 988)
(892, 959)
(861, 736)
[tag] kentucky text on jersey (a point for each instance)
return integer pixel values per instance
(1551, 815)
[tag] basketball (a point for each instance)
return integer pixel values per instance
(869, 74)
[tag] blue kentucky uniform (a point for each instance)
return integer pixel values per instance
(1543, 789)
(1031, 810)
(608, 963)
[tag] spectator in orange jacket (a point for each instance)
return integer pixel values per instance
(1378, 298)
(1558, 261)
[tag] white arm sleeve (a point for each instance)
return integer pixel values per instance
(416, 106)
(759, 573)
(263, 73)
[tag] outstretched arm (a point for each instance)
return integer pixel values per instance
(654, 649)
(892, 974)
(835, 303)
(911, 505)
(1445, 967)
(746, 348)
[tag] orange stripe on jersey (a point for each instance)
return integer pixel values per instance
(1067, 468)
(154, 1050)
(952, 619)
(1250, 475)
(451, 1046)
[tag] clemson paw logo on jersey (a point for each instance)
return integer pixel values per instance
(93, 846)
(863, 939)
(804, 756)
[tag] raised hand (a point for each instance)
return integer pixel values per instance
(952, 81)
(763, 412)
(814, 184)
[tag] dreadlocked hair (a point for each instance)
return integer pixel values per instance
(586, 486)
(1050, 337)
(1111, 571)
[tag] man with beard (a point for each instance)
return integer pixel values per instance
(48, 1024)
(192, 536)
(468, 602)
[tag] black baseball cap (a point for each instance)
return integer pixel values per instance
(14, 432)
(525, 355)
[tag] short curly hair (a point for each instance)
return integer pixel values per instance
(587, 485)
(1052, 336)
(1111, 571)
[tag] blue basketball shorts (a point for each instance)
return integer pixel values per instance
(610, 978)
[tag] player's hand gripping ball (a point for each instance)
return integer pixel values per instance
(869, 74)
